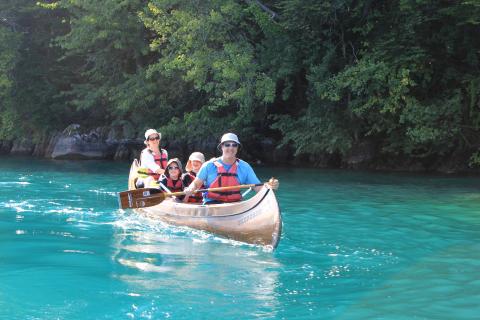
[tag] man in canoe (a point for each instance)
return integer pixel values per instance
(153, 159)
(226, 170)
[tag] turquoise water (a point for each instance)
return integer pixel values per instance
(355, 246)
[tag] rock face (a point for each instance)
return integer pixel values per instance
(206, 146)
(45, 146)
(272, 153)
(123, 142)
(52, 141)
(74, 144)
(5, 147)
(360, 155)
(128, 149)
(116, 142)
(77, 148)
(22, 147)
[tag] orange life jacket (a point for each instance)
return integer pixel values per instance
(160, 159)
(225, 179)
(174, 186)
(197, 196)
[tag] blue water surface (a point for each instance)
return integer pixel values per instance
(355, 245)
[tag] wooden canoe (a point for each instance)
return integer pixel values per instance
(256, 220)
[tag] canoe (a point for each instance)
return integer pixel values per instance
(256, 220)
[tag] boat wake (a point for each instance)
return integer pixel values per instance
(132, 222)
(103, 192)
(22, 183)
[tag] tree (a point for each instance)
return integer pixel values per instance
(403, 74)
(31, 106)
(212, 46)
(9, 41)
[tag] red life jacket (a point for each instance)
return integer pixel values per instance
(225, 179)
(197, 196)
(160, 159)
(174, 186)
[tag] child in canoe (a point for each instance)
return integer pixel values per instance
(194, 164)
(172, 178)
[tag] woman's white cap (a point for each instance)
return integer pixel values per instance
(149, 132)
(229, 137)
(194, 156)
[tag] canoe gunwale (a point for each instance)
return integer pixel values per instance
(190, 206)
(243, 212)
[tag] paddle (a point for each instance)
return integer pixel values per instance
(147, 197)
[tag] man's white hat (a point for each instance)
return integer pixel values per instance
(229, 137)
(149, 132)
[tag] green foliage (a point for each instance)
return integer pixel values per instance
(8, 48)
(29, 81)
(320, 76)
(210, 45)
(107, 48)
(9, 42)
(475, 159)
(402, 73)
(314, 134)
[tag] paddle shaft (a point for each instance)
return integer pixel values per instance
(146, 197)
(242, 186)
(181, 193)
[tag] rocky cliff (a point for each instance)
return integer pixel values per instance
(123, 142)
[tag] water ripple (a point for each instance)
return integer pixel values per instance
(355, 246)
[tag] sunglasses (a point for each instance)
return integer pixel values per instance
(156, 138)
(172, 168)
(233, 144)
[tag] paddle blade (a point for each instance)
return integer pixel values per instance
(140, 198)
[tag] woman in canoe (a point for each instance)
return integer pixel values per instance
(192, 167)
(226, 170)
(172, 179)
(153, 160)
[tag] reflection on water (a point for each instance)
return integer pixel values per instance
(152, 257)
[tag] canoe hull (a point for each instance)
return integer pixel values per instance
(256, 220)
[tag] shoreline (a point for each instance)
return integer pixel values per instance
(395, 171)
(116, 143)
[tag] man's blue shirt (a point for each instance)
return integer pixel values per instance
(208, 173)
